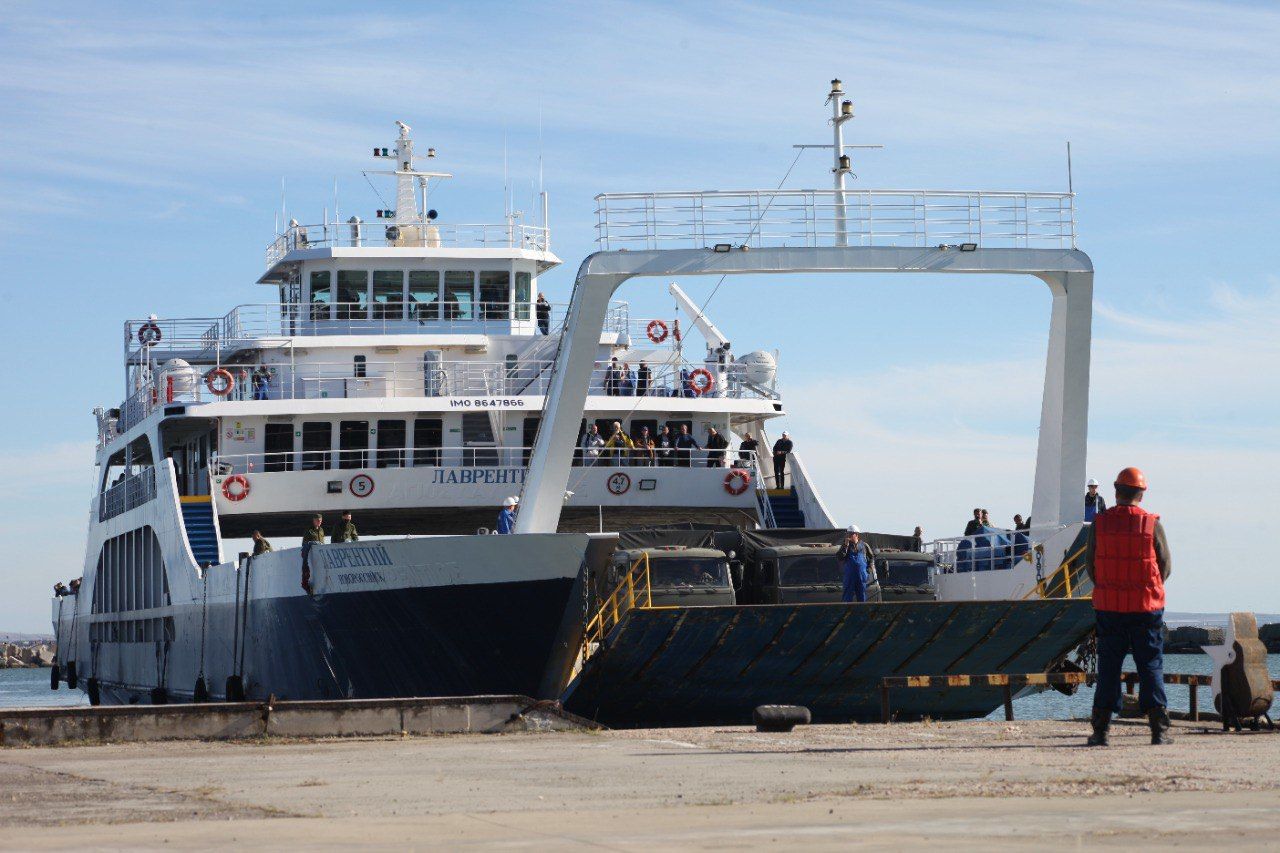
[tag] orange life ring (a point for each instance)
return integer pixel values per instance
(219, 381)
(237, 494)
(699, 388)
(736, 481)
(657, 331)
(149, 334)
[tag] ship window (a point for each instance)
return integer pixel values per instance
(459, 295)
(359, 366)
(424, 295)
(391, 436)
(353, 295)
(353, 444)
(524, 295)
(495, 295)
(317, 441)
(320, 295)
(277, 447)
(428, 433)
(388, 294)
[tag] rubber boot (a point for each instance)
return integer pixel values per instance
(1159, 722)
(1101, 725)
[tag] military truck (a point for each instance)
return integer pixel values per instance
(905, 575)
(687, 567)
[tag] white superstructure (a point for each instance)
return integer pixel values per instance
(400, 371)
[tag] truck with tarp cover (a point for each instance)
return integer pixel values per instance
(686, 566)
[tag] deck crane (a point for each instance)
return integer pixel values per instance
(718, 355)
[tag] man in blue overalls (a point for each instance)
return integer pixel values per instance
(507, 518)
(854, 562)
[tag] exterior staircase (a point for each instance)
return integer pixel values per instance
(786, 508)
(197, 517)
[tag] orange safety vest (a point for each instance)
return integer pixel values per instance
(1126, 575)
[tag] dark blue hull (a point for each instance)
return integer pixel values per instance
(459, 640)
(714, 665)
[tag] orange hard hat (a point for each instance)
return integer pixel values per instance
(1132, 477)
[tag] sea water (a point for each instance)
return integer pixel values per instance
(28, 688)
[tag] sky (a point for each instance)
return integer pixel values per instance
(143, 149)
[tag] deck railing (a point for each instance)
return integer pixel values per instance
(475, 455)
(131, 492)
(384, 234)
(249, 324)
(819, 218)
(632, 592)
(992, 550)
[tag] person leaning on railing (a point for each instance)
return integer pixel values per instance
(664, 447)
(592, 444)
(644, 453)
(716, 446)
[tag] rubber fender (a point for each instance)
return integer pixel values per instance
(72, 680)
(235, 689)
(95, 696)
(159, 696)
(780, 718)
(201, 693)
(55, 675)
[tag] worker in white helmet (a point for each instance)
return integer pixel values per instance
(855, 562)
(507, 517)
(1093, 502)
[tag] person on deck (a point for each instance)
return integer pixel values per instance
(346, 531)
(644, 376)
(507, 517)
(591, 444)
(1127, 556)
(312, 536)
(644, 453)
(685, 445)
(781, 450)
(1093, 502)
(716, 446)
(854, 558)
(260, 543)
(618, 445)
(665, 446)
(543, 307)
(747, 452)
(974, 526)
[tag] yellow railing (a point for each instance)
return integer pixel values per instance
(1064, 581)
(632, 592)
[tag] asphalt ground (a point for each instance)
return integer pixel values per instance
(966, 785)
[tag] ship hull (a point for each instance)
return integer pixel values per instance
(439, 616)
(714, 665)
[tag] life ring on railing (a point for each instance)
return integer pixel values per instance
(149, 334)
(701, 382)
(219, 381)
(657, 331)
(736, 481)
(240, 492)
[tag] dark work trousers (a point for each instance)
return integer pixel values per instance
(1141, 634)
(780, 470)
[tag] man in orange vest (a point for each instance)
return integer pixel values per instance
(1127, 556)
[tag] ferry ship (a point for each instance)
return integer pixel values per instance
(398, 372)
(411, 372)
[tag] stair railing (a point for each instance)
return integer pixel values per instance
(631, 593)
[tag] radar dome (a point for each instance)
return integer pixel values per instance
(185, 377)
(758, 368)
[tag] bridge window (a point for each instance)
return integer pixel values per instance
(495, 295)
(353, 295)
(317, 441)
(388, 294)
(277, 447)
(353, 444)
(424, 295)
(428, 435)
(524, 295)
(321, 295)
(459, 295)
(391, 438)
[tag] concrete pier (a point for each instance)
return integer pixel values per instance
(963, 785)
(238, 720)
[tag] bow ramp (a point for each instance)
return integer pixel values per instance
(682, 666)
